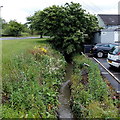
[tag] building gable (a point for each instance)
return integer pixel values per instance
(110, 19)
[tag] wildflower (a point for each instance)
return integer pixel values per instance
(43, 50)
(114, 97)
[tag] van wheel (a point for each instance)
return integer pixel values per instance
(100, 54)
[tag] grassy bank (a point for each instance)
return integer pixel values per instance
(32, 75)
(90, 95)
(11, 48)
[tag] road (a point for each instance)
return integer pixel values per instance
(115, 71)
(20, 38)
(16, 38)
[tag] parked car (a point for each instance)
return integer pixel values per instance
(113, 58)
(101, 49)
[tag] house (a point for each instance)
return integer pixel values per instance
(110, 32)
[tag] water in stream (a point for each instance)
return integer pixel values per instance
(64, 110)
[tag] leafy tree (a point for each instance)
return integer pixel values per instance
(13, 28)
(30, 24)
(69, 26)
(36, 22)
(26, 30)
(3, 24)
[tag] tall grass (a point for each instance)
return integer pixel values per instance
(0, 75)
(90, 94)
(32, 80)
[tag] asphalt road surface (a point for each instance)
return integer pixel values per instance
(115, 71)
(16, 38)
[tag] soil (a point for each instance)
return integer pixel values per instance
(5, 98)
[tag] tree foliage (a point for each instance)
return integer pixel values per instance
(69, 26)
(36, 22)
(3, 23)
(13, 28)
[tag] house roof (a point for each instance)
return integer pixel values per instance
(110, 19)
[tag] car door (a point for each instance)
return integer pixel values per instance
(106, 48)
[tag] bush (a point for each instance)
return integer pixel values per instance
(90, 93)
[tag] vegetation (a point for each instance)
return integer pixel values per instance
(31, 82)
(36, 23)
(90, 95)
(13, 28)
(33, 71)
(69, 26)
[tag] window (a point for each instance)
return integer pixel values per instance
(114, 50)
(112, 45)
(105, 45)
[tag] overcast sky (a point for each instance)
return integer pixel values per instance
(20, 9)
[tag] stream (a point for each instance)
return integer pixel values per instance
(64, 110)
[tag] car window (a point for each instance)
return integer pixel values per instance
(105, 45)
(114, 51)
(112, 45)
(98, 45)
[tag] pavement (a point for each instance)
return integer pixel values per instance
(20, 38)
(114, 71)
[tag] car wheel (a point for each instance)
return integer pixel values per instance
(100, 54)
(111, 66)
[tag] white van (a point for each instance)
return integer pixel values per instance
(113, 58)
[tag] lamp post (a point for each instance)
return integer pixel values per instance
(0, 10)
(0, 22)
(0, 59)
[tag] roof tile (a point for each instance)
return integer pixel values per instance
(110, 19)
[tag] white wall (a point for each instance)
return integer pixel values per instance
(107, 37)
(117, 36)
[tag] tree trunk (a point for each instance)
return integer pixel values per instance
(41, 35)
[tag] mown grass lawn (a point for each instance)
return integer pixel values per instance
(11, 48)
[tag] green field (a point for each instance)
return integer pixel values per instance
(11, 48)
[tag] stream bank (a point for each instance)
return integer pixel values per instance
(64, 110)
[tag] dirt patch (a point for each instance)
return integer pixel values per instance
(84, 74)
(5, 98)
